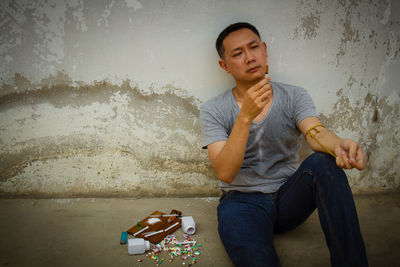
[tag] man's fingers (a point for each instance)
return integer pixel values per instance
(339, 162)
(356, 155)
(261, 95)
(259, 85)
(342, 159)
(353, 151)
(345, 159)
(349, 155)
(266, 93)
(257, 97)
(359, 159)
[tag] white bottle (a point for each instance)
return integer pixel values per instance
(188, 225)
(138, 246)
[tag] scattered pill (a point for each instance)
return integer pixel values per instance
(187, 250)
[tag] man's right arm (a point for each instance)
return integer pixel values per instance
(227, 156)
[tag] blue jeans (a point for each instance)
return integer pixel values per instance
(248, 221)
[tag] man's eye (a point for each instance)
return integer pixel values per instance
(237, 54)
(254, 47)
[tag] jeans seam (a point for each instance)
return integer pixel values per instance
(324, 209)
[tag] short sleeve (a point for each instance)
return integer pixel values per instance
(212, 125)
(303, 106)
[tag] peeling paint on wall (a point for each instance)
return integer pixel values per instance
(309, 15)
(100, 139)
(379, 117)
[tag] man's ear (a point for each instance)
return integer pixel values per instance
(222, 64)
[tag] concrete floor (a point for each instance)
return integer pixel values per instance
(86, 232)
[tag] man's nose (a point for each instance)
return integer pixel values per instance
(249, 56)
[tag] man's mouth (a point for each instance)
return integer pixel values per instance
(254, 69)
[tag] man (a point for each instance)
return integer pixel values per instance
(252, 133)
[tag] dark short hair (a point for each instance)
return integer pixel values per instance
(228, 30)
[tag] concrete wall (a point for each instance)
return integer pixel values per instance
(102, 97)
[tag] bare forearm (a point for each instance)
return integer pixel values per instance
(230, 158)
(347, 152)
(326, 140)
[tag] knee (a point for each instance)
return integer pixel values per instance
(319, 158)
(324, 168)
(319, 161)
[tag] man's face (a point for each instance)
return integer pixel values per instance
(245, 56)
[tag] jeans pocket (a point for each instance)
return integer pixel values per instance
(226, 195)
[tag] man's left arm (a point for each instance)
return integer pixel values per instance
(348, 153)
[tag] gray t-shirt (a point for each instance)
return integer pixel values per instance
(271, 152)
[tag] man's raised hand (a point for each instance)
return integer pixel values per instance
(256, 98)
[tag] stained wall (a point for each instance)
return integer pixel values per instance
(101, 98)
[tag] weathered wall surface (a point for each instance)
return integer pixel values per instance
(102, 97)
